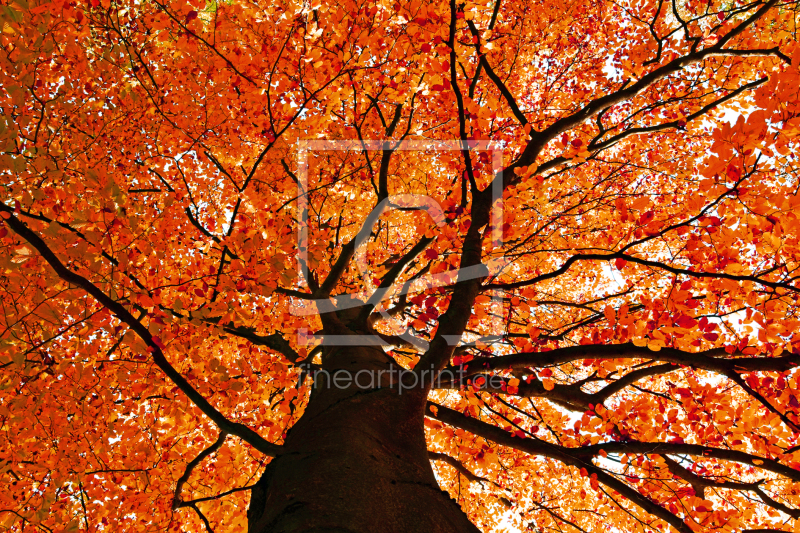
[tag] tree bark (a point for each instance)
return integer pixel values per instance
(357, 460)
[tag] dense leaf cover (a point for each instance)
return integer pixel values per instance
(644, 277)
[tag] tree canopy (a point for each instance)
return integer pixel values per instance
(627, 309)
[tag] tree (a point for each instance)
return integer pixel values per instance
(609, 339)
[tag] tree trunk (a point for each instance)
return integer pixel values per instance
(357, 460)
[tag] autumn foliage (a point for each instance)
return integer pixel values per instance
(629, 352)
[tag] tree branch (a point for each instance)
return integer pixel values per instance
(458, 465)
(582, 457)
(569, 456)
(711, 360)
(632, 259)
(234, 428)
(177, 501)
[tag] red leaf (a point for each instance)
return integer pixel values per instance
(686, 322)
(190, 16)
(619, 263)
(711, 336)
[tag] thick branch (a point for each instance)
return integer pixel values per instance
(388, 280)
(596, 145)
(592, 108)
(714, 360)
(582, 457)
(458, 465)
(654, 264)
(570, 396)
(225, 425)
(274, 341)
(560, 453)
